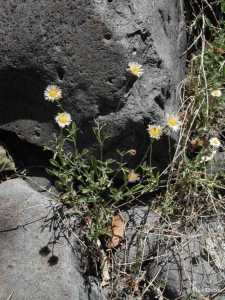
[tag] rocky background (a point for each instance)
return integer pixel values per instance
(84, 46)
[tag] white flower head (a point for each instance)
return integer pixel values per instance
(135, 69)
(63, 119)
(173, 122)
(155, 131)
(216, 93)
(133, 176)
(215, 142)
(53, 93)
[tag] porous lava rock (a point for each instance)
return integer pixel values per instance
(85, 46)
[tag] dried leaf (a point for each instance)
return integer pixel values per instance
(118, 226)
(197, 142)
(88, 221)
(6, 162)
(135, 287)
(219, 50)
(117, 231)
(132, 152)
(105, 270)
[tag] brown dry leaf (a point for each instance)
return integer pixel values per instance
(105, 270)
(117, 231)
(132, 152)
(88, 221)
(135, 287)
(219, 50)
(197, 142)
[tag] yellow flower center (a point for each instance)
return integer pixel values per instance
(63, 119)
(172, 122)
(53, 92)
(155, 132)
(136, 70)
(132, 176)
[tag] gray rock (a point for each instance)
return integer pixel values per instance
(42, 185)
(85, 47)
(138, 241)
(192, 264)
(184, 263)
(29, 267)
(220, 297)
(217, 165)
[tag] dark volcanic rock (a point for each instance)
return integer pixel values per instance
(85, 46)
(30, 266)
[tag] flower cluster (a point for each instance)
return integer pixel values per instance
(53, 93)
(172, 122)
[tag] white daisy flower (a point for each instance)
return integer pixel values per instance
(173, 122)
(53, 93)
(216, 93)
(155, 131)
(133, 176)
(63, 119)
(135, 69)
(215, 142)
